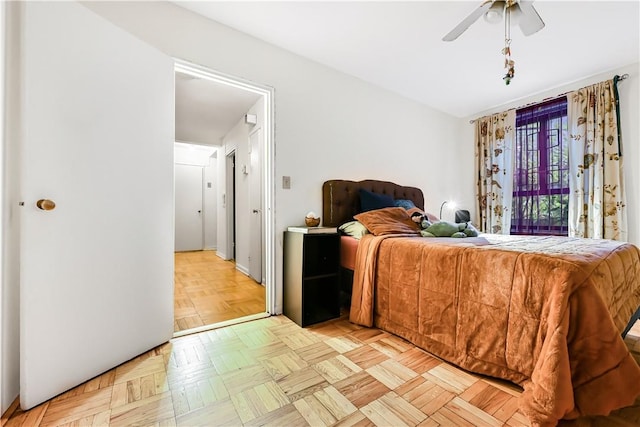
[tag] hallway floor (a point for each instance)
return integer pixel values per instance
(209, 290)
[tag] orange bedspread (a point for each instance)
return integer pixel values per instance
(543, 312)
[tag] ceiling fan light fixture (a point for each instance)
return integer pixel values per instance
(495, 13)
(516, 14)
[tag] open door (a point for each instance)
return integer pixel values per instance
(98, 130)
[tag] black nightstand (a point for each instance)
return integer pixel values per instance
(311, 276)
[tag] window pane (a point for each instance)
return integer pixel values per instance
(541, 179)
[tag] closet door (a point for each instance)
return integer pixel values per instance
(97, 186)
(189, 215)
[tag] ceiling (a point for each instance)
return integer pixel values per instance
(398, 45)
(206, 110)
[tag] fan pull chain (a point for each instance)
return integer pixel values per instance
(509, 64)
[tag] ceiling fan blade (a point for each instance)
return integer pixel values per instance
(466, 22)
(530, 21)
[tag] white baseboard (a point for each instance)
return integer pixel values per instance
(242, 269)
(222, 255)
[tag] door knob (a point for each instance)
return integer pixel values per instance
(256, 211)
(46, 204)
(199, 211)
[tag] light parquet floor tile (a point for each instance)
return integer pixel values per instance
(77, 407)
(336, 368)
(417, 360)
(272, 372)
(366, 357)
(259, 400)
(286, 416)
(302, 383)
(357, 419)
(314, 412)
(282, 365)
(343, 344)
(391, 373)
(425, 395)
(144, 411)
(361, 388)
(449, 380)
(317, 352)
(221, 413)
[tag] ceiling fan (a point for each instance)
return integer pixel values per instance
(494, 10)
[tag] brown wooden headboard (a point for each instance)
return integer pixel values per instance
(341, 200)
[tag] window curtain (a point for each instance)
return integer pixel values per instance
(597, 200)
(494, 168)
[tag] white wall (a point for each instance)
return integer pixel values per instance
(328, 125)
(237, 139)
(211, 203)
(185, 153)
(10, 292)
(629, 91)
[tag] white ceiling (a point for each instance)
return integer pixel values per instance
(206, 110)
(398, 45)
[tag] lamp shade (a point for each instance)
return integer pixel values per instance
(495, 13)
(451, 203)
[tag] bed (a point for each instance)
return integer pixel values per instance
(544, 312)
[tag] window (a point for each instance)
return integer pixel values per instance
(541, 170)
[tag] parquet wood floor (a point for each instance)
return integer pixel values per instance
(272, 372)
(209, 290)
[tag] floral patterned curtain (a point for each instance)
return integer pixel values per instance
(597, 200)
(494, 167)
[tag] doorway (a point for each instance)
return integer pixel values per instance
(240, 165)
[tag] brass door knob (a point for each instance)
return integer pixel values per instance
(46, 204)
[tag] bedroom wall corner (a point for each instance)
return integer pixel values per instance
(9, 190)
(3, 25)
(465, 196)
(629, 112)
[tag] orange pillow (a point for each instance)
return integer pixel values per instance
(388, 221)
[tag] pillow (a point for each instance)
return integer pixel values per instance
(403, 203)
(354, 229)
(388, 221)
(370, 201)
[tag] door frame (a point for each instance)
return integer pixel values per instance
(230, 203)
(268, 163)
(259, 131)
(3, 202)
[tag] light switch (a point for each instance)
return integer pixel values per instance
(286, 182)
